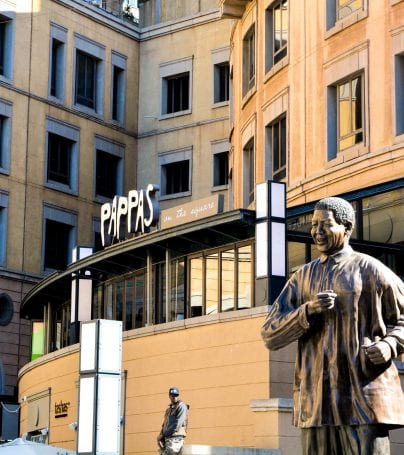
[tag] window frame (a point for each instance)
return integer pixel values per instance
(218, 148)
(340, 69)
(270, 54)
(168, 71)
(249, 61)
(71, 133)
(334, 25)
(118, 61)
(95, 51)
(203, 255)
(249, 172)
(271, 145)
(172, 157)
(3, 226)
(6, 113)
(220, 59)
(63, 216)
(112, 148)
(398, 89)
(57, 62)
(8, 45)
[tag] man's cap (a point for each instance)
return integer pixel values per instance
(173, 391)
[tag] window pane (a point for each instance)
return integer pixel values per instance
(356, 104)
(244, 291)
(106, 174)
(119, 296)
(85, 79)
(176, 177)
(139, 300)
(56, 244)
(221, 169)
(344, 110)
(177, 290)
(212, 283)
(383, 217)
(59, 156)
(196, 281)
(228, 280)
(177, 93)
(129, 301)
(117, 75)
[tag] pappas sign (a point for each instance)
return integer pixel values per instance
(132, 214)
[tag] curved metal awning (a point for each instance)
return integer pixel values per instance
(131, 254)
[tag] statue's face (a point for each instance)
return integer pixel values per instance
(328, 235)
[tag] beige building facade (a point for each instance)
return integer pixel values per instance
(225, 95)
(93, 105)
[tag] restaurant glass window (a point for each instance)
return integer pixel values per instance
(227, 279)
(129, 303)
(196, 285)
(140, 292)
(108, 302)
(177, 289)
(244, 275)
(383, 217)
(159, 293)
(212, 283)
(118, 300)
(296, 256)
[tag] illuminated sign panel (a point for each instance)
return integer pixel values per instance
(132, 214)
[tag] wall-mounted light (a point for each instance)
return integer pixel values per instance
(270, 236)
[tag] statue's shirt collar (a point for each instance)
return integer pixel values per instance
(338, 256)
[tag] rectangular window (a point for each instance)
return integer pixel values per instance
(221, 82)
(249, 172)
(118, 87)
(117, 77)
(89, 58)
(176, 176)
(62, 156)
(350, 109)
(5, 136)
(177, 93)
(56, 89)
(59, 237)
(59, 158)
(106, 174)
(86, 72)
(3, 226)
(176, 87)
(108, 169)
(277, 33)
(244, 277)
(196, 286)
(220, 169)
(249, 60)
(56, 245)
(175, 173)
(58, 39)
(221, 280)
(6, 45)
(399, 93)
(212, 283)
(177, 289)
(277, 148)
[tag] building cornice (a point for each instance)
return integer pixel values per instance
(233, 9)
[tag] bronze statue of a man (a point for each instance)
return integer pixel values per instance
(346, 311)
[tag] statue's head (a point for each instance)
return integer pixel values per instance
(343, 211)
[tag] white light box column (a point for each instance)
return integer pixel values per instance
(270, 236)
(99, 420)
